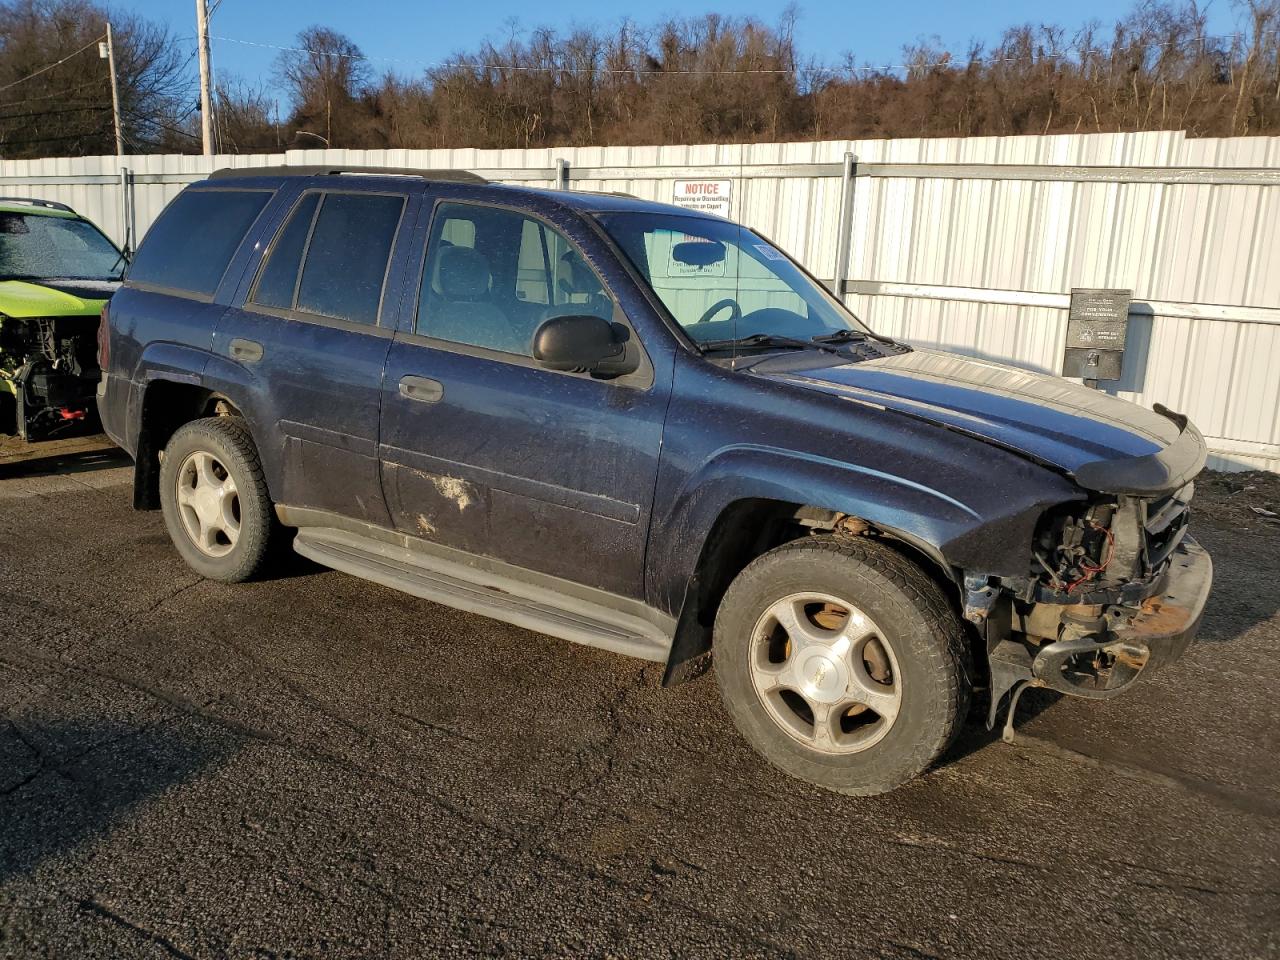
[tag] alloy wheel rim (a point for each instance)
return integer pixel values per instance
(825, 673)
(208, 504)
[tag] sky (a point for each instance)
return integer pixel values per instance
(408, 36)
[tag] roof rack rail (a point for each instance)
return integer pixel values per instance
(50, 204)
(457, 176)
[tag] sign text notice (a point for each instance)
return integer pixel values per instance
(706, 196)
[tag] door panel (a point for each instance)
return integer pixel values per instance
(318, 409)
(541, 469)
(312, 337)
(485, 450)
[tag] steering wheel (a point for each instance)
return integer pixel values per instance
(719, 305)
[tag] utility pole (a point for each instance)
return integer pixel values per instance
(107, 51)
(206, 95)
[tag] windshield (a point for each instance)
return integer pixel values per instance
(38, 247)
(723, 282)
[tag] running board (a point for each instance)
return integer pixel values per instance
(484, 592)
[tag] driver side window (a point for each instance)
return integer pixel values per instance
(492, 276)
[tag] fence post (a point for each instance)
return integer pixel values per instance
(562, 174)
(848, 179)
(126, 209)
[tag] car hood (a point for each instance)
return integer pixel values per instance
(1049, 419)
(54, 297)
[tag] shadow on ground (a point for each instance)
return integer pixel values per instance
(64, 783)
(84, 461)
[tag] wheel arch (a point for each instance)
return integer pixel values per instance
(167, 403)
(749, 527)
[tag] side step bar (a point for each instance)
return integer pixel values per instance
(484, 592)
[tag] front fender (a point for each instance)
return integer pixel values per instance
(980, 513)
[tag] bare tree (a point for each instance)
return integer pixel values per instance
(325, 75)
(66, 110)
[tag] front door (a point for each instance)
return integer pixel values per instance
(485, 450)
(315, 328)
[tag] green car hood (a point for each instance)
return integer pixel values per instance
(54, 298)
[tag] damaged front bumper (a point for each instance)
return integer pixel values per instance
(1102, 651)
(1104, 663)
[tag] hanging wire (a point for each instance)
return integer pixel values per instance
(31, 76)
(61, 94)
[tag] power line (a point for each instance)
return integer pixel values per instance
(462, 64)
(58, 95)
(947, 60)
(152, 121)
(961, 62)
(92, 43)
(52, 113)
(82, 135)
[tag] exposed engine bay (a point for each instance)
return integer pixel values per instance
(48, 374)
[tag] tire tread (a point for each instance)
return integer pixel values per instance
(907, 586)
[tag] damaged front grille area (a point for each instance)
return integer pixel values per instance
(1109, 550)
(1116, 587)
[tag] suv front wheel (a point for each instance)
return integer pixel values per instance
(214, 497)
(842, 663)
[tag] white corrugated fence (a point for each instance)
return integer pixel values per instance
(971, 245)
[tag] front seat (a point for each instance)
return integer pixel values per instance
(463, 313)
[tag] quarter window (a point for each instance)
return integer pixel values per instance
(191, 245)
(279, 279)
(492, 276)
(341, 243)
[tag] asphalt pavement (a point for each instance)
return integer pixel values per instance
(313, 765)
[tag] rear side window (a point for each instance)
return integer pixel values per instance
(192, 243)
(343, 247)
(279, 279)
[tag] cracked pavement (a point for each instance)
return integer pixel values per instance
(313, 765)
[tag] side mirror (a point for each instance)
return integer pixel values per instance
(579, 342)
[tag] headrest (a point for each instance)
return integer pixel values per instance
(576, 277)
(464, 274)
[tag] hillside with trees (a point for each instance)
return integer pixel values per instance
(699, 79)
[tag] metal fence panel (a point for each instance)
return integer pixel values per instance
(970, 245)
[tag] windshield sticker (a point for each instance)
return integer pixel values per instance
(768, 252)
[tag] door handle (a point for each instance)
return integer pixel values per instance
(248, 350)
(421, 388)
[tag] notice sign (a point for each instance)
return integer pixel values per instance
(705, 196)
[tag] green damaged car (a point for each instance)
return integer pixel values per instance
(57, 271)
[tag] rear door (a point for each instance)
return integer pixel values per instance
(311, 333)
(485, 450)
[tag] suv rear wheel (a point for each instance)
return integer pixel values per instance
(214, 497)
(842, 663)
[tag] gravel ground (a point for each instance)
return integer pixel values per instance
(316, 766)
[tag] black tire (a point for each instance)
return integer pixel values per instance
(229, 441)
(933, 658)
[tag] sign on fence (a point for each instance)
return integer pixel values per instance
(705, 196)
(1096, 329)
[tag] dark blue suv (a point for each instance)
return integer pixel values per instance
(646, 429)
